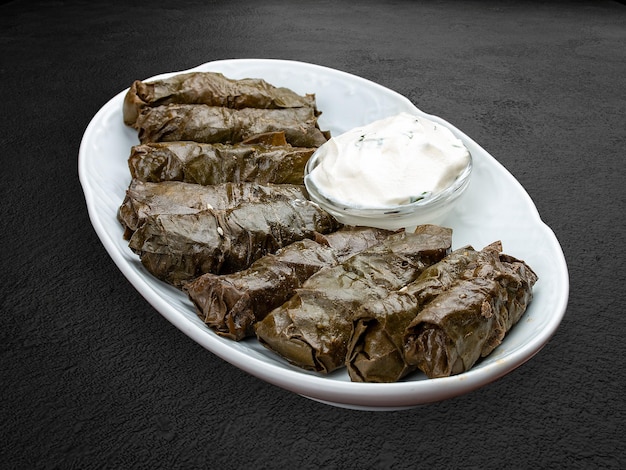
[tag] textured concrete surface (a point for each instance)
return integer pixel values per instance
(92, 377)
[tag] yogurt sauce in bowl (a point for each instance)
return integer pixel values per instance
(397, 168)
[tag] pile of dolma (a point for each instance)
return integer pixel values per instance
(217, 180)
(216, 207)
(313, 328)
(231, 304)
(440, 319)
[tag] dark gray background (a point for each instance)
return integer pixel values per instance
(92, 377)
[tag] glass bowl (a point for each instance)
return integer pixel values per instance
(429, 210)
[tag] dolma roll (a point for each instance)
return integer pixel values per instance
(376, 348)
(177, 248)
(470, 319)
(312, 329)
(232, 303)
(375, 351)
(213, 124)
(174, 197)
(209, 88)
(217, 163)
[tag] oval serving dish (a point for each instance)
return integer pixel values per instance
(494, 207)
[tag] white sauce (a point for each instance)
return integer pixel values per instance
(390, 162)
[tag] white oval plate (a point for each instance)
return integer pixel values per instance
(495, 207)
